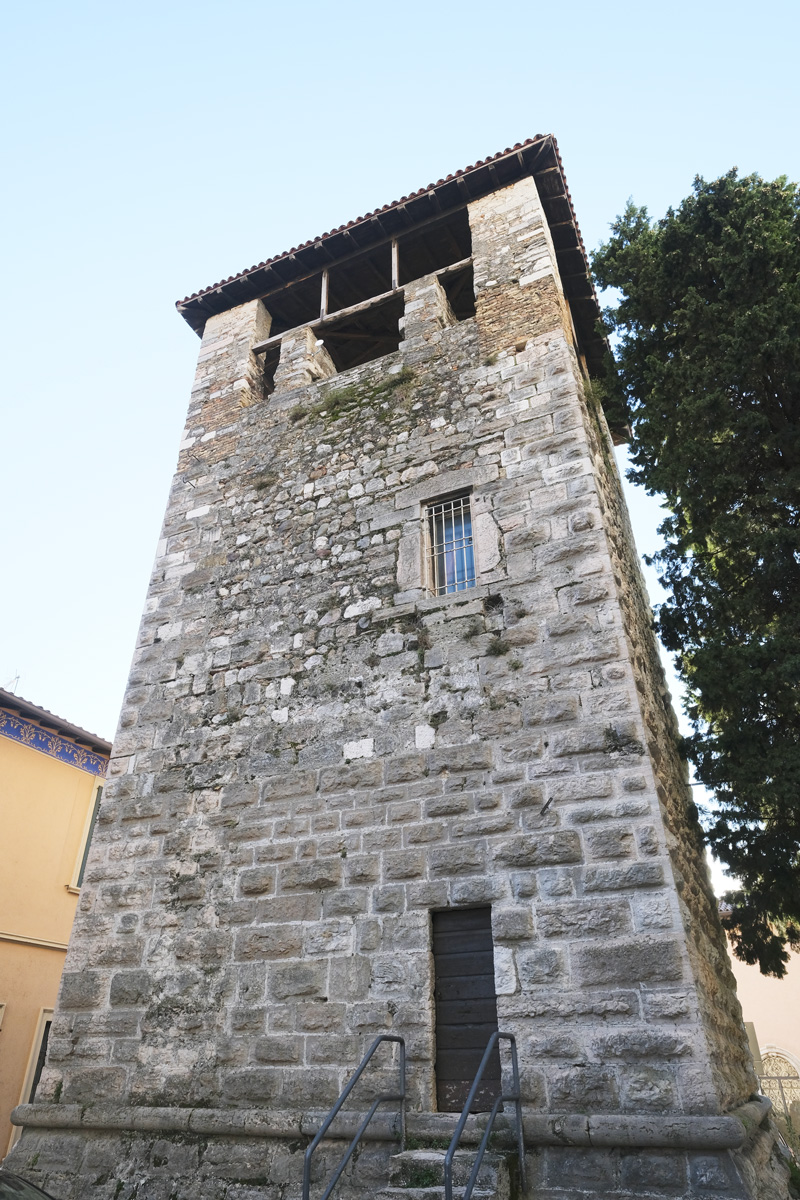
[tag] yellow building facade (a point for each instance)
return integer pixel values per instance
(771, 1011)
(51, 779)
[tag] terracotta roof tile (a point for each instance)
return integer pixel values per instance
(481, 162)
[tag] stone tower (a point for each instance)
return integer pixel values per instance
(396, 753)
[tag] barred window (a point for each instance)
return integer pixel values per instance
(451, 556)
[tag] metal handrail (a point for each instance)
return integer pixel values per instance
(515, 1096)
(326, 1124)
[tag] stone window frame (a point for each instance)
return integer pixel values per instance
(412, 561)
(456, 502)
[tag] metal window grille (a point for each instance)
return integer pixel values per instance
(451, 555)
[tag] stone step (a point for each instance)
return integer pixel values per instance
(421, 1172)
(425, 1168)
(431, 1193)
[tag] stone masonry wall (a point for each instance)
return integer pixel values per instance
(720, 1010)
(313, 753)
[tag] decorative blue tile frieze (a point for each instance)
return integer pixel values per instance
(46, 742)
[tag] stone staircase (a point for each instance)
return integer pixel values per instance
(419, 1175)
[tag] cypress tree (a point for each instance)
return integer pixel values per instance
(707, 353)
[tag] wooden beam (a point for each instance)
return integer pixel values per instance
(456, 266)
(358, 337)
(323, 304)
(534, 153)
(395, 266)
(260, 347)
(463, 189)
(434, 199)
(452, 239)
(346, 258)
(341, 313)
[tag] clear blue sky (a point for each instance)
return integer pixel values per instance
(152, 149)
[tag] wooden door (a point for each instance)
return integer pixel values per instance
(466, 1007)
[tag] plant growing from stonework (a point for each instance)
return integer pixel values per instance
(498, 645)
(708, 365)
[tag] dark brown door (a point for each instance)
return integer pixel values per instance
(466, 1007)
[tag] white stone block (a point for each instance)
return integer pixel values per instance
(390, 643)
(505, 971)
(487, 542)
(409, 561)
(424, 737)
(361, 607)
(363, 748)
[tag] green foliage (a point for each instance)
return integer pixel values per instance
(794, 1178)
(498, 645)
(420, 1175)
(708, 356)
(342, 401)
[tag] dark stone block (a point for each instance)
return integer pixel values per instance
(131, 988)
(90, 1084)
(539, 966)
(600, 918)
(256, 1084)
(627, 963)
(309, 876)
(541, 850)
(457, 860)
(350, 777)
(81, 989)
(269, 941)
(715, 1174)
(646, 1170)
(609, 843)
(277, 1049)
(632, 875)
(641, 1043)
(297, 979)
(581, 1170)
(257, 881)
(473, 756)
(405, 768)
(512, 924)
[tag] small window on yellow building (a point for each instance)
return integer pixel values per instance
(76, 881)
(33, 1072)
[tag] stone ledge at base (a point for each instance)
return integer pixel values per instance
(680, 1132)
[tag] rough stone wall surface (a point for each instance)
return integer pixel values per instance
(314, 753)
(721, 1014)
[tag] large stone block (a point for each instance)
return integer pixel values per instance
(269, 941)
(627, 962)
(131, 988)
(542, 850)
(81, 989)
(584, 919)
(297, 979)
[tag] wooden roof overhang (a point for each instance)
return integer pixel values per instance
(32, 712)
(537, 157)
